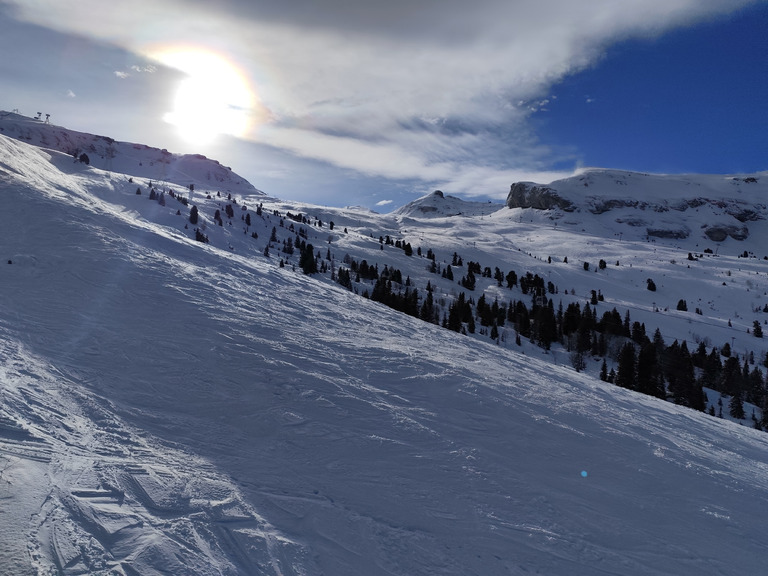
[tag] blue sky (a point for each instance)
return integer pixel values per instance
(692, 100)
(343, 102)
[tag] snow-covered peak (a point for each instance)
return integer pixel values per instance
(594, 189)
(438, 205)
(702, 206)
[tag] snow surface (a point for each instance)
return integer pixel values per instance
(169, 406)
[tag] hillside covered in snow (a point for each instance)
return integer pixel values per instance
(197, 378)
(707, 207)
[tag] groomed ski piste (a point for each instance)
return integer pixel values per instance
(169, 406)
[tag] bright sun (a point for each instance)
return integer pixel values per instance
(214, 99)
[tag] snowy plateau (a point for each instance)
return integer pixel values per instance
(175, 406)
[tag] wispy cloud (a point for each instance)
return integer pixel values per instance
(436, 90)
(145, 69)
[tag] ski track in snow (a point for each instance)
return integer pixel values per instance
(166, 405)
(105, 498)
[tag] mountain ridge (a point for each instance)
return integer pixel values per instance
(138, 160)
(734, 200)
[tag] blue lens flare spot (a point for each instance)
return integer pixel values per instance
(583, 473)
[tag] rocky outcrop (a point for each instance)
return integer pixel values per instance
(522, 195)
(744, 214)
(600, 206)
(721, 232)
(634, 222)
(671, 233)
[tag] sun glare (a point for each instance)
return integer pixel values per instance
(215, 98)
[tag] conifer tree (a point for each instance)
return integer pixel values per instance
(427, 311)
(658, 343)
(648, 375)
(711, 370)
(307, 260)
(737, 406)
(764, 410)
(730, 377)
(523, 319)
(683, 387)
(546, 326)
(469, 281)
(454, 314)
(755, 387)
(584, 335)
(625, 376)
(577, 361)
(626, 327)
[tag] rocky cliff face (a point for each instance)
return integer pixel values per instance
(526, 195)
(667, 206)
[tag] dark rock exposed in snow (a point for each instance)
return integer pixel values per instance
(523, 195)
(720, 233)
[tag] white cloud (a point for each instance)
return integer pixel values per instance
(121, 74)
(383, 202)
(428, 90)
(146, 69)
(71, 94)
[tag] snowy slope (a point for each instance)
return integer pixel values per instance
(726, 280)
(170, 406)
(703, 207)
(126, 157)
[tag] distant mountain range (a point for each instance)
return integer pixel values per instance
(707, 207)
